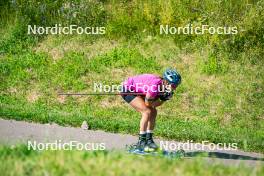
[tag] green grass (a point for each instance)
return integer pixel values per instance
(21, 161)
(220, 99)
(205, 107)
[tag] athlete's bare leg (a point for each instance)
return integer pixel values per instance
(148, 114)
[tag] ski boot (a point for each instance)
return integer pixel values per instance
(150, 144)
(138, 148)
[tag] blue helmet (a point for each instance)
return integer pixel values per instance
(172, 76)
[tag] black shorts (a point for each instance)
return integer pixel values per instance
(129, 97)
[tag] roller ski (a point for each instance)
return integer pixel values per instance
(133, 149)
(147, 146)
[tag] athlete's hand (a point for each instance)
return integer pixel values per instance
(166, 96)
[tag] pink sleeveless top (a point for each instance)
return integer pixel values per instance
(145, 83)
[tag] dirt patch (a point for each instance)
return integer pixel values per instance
(33, 96)
(61, 99)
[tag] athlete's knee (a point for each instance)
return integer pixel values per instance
(146, 111)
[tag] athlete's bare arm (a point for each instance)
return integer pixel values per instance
(149, 100)
(157, 103)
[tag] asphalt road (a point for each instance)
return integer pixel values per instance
(14, 132)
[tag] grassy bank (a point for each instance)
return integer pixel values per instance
(222, 94)
(20, 161)
(222, 108)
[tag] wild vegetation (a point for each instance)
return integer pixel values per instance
(21, 161)
(221, 96)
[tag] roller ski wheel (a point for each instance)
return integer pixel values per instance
(133, 149)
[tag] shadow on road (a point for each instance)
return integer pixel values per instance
(222, 155)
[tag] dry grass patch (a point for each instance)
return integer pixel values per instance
(112, 101)
(33, 96)
(61, 99)
(57, 47)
